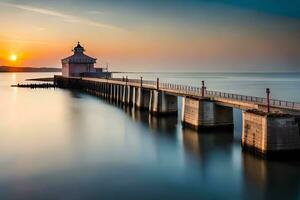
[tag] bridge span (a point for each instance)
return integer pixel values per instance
(270, 126)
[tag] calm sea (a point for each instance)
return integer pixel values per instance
(61, 144)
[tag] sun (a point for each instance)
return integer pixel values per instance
(13, 57)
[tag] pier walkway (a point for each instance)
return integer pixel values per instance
(243, 102)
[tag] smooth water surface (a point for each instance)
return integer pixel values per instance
(59, 144)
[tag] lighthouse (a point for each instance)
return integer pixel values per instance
(78, 64)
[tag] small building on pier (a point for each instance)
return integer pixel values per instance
(81, 65)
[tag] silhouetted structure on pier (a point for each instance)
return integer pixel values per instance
(82, 65)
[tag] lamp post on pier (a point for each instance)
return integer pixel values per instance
(203, 88)
(157, 83)
(268, 99)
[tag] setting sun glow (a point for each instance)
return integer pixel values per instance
(13, 57)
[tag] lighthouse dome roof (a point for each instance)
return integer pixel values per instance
(79, 56)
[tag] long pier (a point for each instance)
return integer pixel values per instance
(269, 126)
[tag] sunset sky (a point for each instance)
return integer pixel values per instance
(157, 35)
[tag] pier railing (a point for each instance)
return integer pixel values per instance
(197, 92)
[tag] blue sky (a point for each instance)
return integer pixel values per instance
(169, 35)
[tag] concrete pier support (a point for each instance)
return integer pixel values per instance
(102, 89)
(130, 96)
(120, 94)
(105, 86)
(162, 103)
(134, 94)
(116, 87)
(106, 90)
(117, 91)
(111, 93)
(204, 113)
(270, 134)
(141, 97)
(125, 94)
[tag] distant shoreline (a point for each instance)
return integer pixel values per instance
(8, 69)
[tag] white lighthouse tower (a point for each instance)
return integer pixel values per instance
(78, 64)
